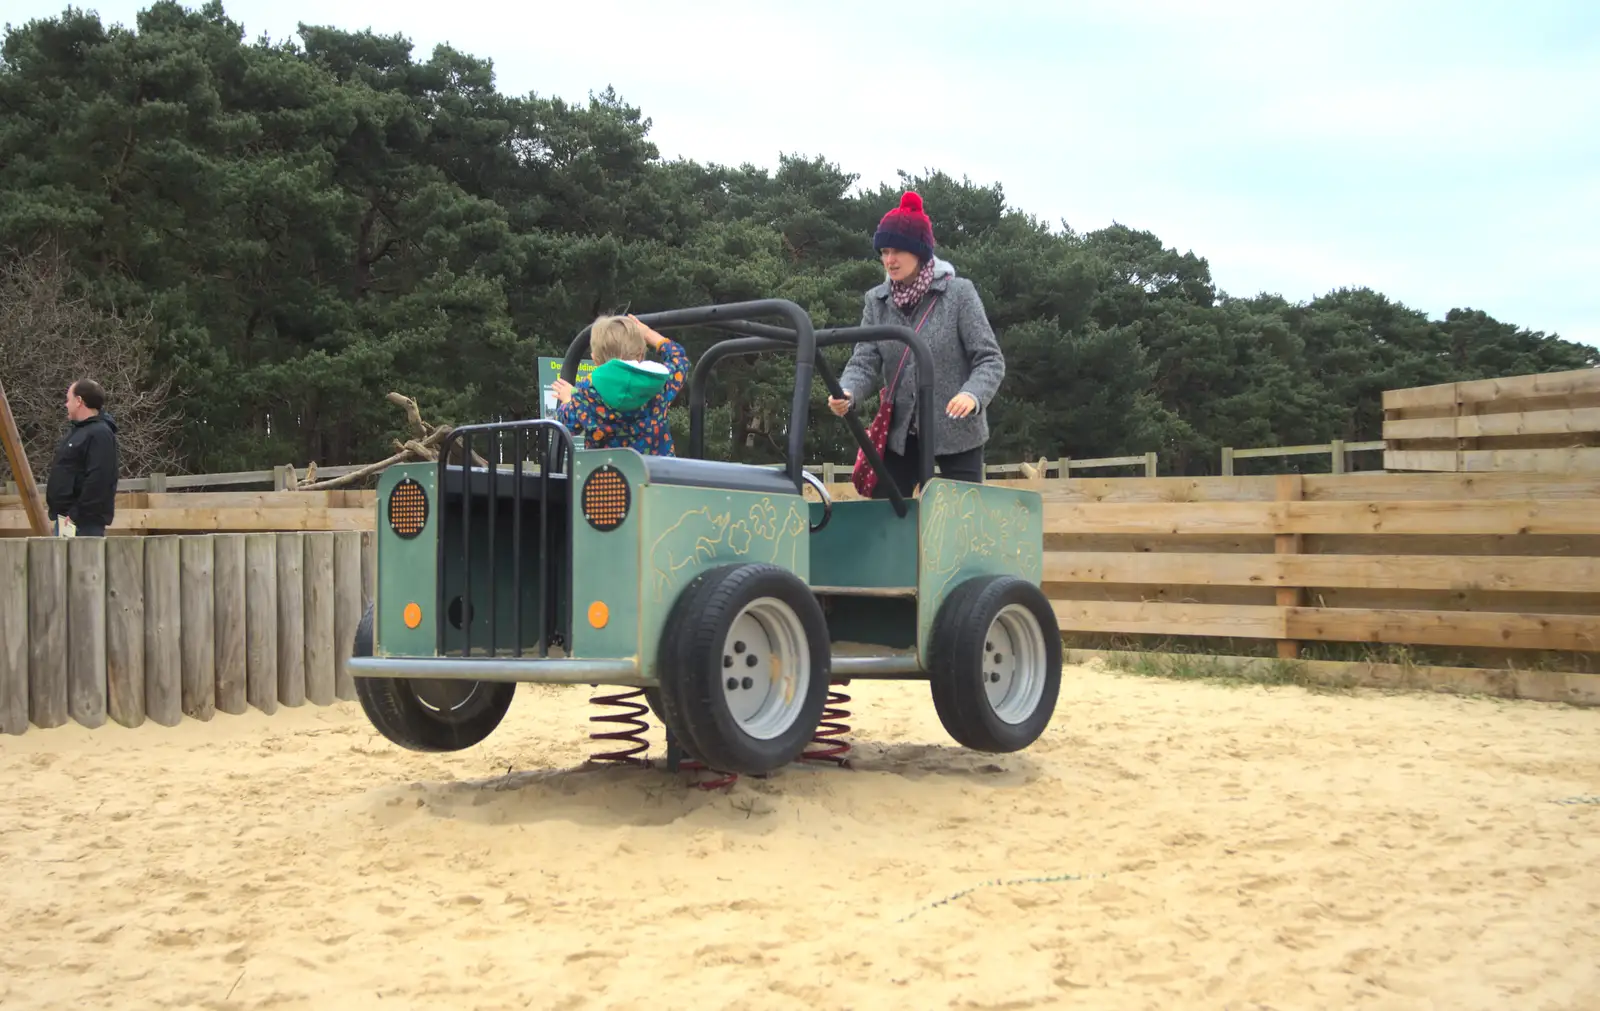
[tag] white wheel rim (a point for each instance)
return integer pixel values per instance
(766, 668)
(1013, 664)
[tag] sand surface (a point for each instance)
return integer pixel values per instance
(1236, 847)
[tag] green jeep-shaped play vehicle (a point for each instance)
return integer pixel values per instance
(717, 588)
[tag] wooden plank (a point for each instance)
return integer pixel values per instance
(228, 620)
(1503, 516)
(347, 606)
(1399, 572)
(13, 637)
(1289, 488)
(1565, 421)
(321, 673)
(369, 569)
(86, 630)
(1440, 395)
(1379, 487)
(291, 620)
(163, 631)
(1539, 686)
(125, 630)
(198, 588)
(1143, 618)
(1578, 459)
(151, 521)
(1265, 452)
(1545, 384)
(261, 621)
(1566, 632)
(16, 455)
(47, 632)
(296, 500)
(1440, 460)
(1420, 428)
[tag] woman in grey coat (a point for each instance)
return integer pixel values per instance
(968, 365)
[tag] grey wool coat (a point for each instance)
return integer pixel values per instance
(966, 358)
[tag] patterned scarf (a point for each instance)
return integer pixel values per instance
(908, 293)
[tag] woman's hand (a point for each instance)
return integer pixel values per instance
(839, 406)
(961, 405)
(562, 390)
(651, 338)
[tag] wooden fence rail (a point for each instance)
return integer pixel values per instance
(1337, 451)
(1543, 422)
(1499, 569)
(163, 627)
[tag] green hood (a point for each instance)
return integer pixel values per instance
(628, 386)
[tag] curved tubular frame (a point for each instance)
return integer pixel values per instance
(801, 337)
(771, 338)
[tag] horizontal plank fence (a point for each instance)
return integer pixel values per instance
(1543, 422)
(161, 628)
(1497, 570)
(1493, 571)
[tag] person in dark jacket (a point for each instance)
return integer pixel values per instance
(922, 292)
(83, 478)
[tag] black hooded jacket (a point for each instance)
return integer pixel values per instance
(83, 478)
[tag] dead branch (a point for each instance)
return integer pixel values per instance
(422, 449)
(413, 415)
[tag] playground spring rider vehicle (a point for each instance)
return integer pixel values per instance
(717, 589)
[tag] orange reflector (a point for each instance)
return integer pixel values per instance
(599, 614)
(413, 615)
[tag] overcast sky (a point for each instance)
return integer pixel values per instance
(1444, 153)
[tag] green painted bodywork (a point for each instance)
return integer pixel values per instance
(687, 530)
(972, 530)
(407, 569)
(671, 533)
(865, 545)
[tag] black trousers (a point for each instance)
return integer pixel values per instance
(964, 466)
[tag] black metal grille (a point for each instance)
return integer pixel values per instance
(504, 505)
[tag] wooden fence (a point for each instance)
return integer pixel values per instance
(1548, 422)
(164, 627)
(1339, 455)
(222, 512)
(1500, 570)
(1496, 569)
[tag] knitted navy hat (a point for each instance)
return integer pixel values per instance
(907, 228)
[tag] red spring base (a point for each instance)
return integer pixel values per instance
(718, 779)
(635, 745)
(829, 747)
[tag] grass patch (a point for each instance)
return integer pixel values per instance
(1267, 671)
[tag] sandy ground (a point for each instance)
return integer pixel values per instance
(1233, 847)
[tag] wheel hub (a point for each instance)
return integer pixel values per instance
(444, 698)
(766, 668)
(1013, 664)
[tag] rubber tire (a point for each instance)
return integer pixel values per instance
(693, 705)
(956, 657)
(392, 706)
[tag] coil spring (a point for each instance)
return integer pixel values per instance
(829, 747)
(635, 745)
(718, 778)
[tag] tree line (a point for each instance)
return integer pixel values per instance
(299, 227)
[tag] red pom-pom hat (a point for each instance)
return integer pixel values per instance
(906, 227)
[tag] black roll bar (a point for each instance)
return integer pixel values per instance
(801, 337)
(770, 338)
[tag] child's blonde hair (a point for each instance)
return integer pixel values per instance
(616, 337)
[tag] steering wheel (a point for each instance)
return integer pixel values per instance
(827, 500)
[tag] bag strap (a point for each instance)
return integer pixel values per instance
(934, 298)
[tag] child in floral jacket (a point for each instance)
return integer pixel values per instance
(623, 404)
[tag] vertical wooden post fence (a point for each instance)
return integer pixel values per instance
(130, 629)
